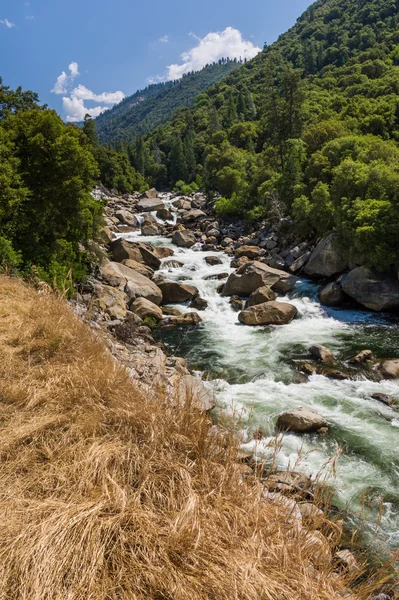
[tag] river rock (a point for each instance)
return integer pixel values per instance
(174, 293)
(253, 275)
(122, 249)
(191, 318)
(139, 267)
(144, 308)
(301, 420)
(182, 203)
(162, 251)
(374, 290)
(149, 205)
(362, 357)
(152, 193)
(322, 353)
(111, 301)
(248, 251)
(183, 238)
(300, 262)
(192, 215)
(332, 294)
(268, 313)
(236, 303)
(327, 259)
(173, 264)
(128, 218)
(199, 303)
(192, 390)
(384, 398)
(389, 369)
(213, 260)
(150, 226)
(164, 214)
(260, 296)
(133, 283)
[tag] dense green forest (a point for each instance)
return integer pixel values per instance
(142, 112)
(307, 129)
(47, 171)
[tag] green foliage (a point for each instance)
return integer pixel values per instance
(308, 129)
(185, 189)
(9, 259)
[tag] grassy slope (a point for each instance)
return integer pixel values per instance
(107, 494)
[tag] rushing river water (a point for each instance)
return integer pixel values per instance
(251, 372)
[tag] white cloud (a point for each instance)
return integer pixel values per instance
(63, 80)
(7, 23)
(164, 39)
(74, 103)
(215, 45)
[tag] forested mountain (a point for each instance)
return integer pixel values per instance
(307, 129)
(146, 109)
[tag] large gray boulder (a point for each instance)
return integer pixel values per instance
(192, 215)
(149, 205)
(260, 296)
(327, 259)
(331, 294)
(145, 308)
(174, 292)
(253, 275)
(374, 290)
(134, 284)
(183, 238)
(301, 420)
(123, 250)
(128, 218)
(269, 313)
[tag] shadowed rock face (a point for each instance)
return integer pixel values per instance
(253, 275)
(260, 296)
(326, 259)
(268, 313)
(134, 284)
(184, 239)
(176, 292)
(331, 294)
(374, 290)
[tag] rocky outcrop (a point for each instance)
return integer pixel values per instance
(174, 292)
(150, 226)
(139, 267)
(253, 275)
(192, 215)
(182, 203)
(183, 238)
(269, 313)
(260, 296)
(301, 420)
(144, 308)
(332, 294)
(149, 205)
(122, 249)
(213, 260)
(162, 251)
(111, 301)
(374, 290)
(127, 218)
(134, 284)
(249, 251)
(191, 318)
(327, 259)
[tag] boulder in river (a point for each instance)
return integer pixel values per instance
(192, 215)
(122, 249)
(150, 226)
(133, 283)
(183, 238)
(384, 398)
(213, 260)
(144, 308)
(322, 353)
(300, 262)
(332, 294)
(199, 303)
(139, 267)
(389, 369)
(162, 251)
(190, 318)
(152, 193)
(174, 292)
(253, 275)
(301, 420)
(260, 296)
(127, 218)
(327, 259)
(268, 313)
(374, 290)
(249, 251)
(182, 203)
(236, 303)
(362, 357)
(164, 214)
(149, 205)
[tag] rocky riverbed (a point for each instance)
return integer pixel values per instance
(239, 306)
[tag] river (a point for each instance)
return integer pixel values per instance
(251, 373)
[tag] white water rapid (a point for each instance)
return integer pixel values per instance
(252, 375)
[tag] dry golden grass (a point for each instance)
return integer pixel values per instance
(106, 494)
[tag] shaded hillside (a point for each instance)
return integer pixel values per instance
(146, 109)
(307, 129)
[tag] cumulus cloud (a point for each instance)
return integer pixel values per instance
(7, 23)
(164, 39)
(215, 45)
(74, 98)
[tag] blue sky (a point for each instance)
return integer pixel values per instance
(101, 50)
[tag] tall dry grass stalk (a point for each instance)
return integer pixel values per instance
(107, 494)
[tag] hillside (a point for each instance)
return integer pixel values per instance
(146, 109)
(308, 129)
